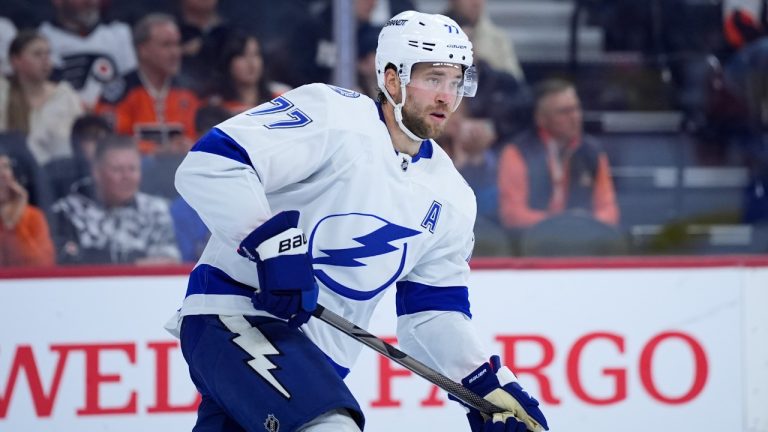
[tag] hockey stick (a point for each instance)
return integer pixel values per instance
(457, 390)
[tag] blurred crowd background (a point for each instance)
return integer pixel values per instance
(601, 127)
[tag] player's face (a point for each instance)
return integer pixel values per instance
(431, 97)
(118, 175)
(560, 115)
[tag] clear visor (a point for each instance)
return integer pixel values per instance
(446, 78)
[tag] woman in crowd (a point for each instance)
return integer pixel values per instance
(240, 83)
(25, 239)
(35, 106)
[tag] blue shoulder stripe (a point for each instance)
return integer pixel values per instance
(207, 279)
(218, 143)
(414, 297)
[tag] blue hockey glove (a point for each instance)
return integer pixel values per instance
(287, 283)
(499, 385)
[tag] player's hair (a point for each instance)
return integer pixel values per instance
(114, 142)
(549, 87)
(143, 28)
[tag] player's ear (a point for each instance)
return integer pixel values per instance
(392, 83)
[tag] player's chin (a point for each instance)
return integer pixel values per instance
(437, 133)
(436, 130)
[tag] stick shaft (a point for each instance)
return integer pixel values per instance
(457, 390)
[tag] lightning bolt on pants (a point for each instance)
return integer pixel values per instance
(257, 374)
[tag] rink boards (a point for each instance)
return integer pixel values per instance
(604, 349)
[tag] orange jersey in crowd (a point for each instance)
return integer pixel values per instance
(28, 243)
(744, 21)
(151, 116)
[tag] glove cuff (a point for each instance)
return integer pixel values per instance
(505, 376)
(482, 380)
(271, 228)
(289, 242)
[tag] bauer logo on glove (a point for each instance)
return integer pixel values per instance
(290, 243)
(286, 278)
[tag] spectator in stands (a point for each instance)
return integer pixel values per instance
(67, 173)
(503, 99)
(746, 29)
(88, 52)
(555, 168)
(239, 81)
(111, 221)
(36, 106)
(24, 236)
(148, 103)
(203, 33)
(491, 43)
(26, 170)
(318, 34)
(469, 141)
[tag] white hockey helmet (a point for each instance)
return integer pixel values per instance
(412, 37)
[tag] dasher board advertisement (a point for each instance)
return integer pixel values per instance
(602, 350)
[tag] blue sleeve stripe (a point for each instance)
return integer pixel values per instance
(207, 279)
(414, 297)
(218, 143)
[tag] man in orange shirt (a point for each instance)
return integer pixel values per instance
(149, 103)
(555, 168)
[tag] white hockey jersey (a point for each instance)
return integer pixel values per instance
(91, 61)
(374, 218)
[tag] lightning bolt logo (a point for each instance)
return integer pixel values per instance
(373, 244)
(253, 342)
(370, 265)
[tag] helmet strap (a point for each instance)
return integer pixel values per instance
(398, 107)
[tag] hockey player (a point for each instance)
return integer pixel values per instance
(324, 195)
